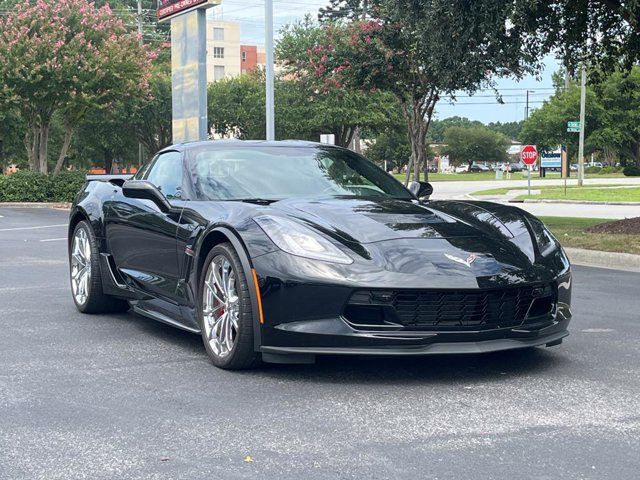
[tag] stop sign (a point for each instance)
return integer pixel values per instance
(529, 155)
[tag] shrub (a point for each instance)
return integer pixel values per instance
(592, 170)
(65, 185)
(631, 171)
(611, 170)
(26, 186)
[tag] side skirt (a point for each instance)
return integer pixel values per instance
(162, 318)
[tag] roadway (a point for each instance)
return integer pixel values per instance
(120, 396)
(463, 190)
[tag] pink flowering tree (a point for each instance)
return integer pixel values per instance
(66, 57)
(419, 50)
(327, 103)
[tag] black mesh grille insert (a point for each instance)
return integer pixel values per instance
(454, 309)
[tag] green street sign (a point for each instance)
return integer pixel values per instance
(573, 124)
(573, 129)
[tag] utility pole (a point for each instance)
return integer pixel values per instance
(583, 96)
(526, 109)
(270, 100)
(140, 37)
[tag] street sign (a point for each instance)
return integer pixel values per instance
(573, 124)
(573, 129)
(529, 155)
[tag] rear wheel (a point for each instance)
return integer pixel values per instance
(225, 313)
(84, 269)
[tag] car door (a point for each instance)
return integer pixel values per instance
(141, 238)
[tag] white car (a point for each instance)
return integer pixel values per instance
(462, 168)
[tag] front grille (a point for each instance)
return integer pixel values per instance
(446, 309)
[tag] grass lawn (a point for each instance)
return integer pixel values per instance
(571, 233)
(458, 177)
(600, 193)
(590, 194)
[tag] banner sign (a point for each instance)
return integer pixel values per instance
(551, 160)
(168, 8)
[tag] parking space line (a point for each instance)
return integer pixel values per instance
(53, 239)
(32, 228)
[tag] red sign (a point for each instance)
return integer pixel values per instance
(167, 8)
(529, 155)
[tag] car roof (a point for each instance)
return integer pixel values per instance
(246, 144)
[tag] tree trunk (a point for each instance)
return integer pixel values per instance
(68, 135)
(418, 116)
(43, 147)
(31, 142)
(356, 140)
(108, 161)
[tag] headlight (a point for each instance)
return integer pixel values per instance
(297, 239)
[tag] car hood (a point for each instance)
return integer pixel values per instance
(367, 221)
(402, 236)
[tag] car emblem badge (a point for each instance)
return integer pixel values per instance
(470, 259)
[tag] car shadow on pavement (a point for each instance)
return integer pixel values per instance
(345, 369)
(433, 369)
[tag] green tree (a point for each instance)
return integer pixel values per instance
(419, 51)
(330, 107)
(439, 127)
(64, 58)
(511, 130)
(619, 112)
(475, 144)
(546, 127)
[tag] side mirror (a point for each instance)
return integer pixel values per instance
(145, 190)
(422, 190)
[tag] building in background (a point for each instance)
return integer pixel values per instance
(226, 57)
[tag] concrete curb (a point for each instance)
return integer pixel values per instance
(596, 258)
(580, 202)
(61, 205)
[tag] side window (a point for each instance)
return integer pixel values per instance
(166, 174)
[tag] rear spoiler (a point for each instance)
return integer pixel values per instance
(116, 179)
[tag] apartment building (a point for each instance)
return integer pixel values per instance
(226, 57)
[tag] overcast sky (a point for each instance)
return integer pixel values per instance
(482, 106)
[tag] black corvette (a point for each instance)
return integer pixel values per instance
(282, 251)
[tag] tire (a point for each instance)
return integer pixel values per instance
(87, 291)
(235, 351)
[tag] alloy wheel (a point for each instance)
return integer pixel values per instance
(80, 266)
(220, 306)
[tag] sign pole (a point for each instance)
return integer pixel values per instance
(583, 90)
(529, 179)
(270, 101)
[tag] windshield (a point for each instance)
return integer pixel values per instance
(276, 173)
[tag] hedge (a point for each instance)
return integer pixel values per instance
(631, 171)
(26, 186)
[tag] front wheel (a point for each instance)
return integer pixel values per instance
(225, 313)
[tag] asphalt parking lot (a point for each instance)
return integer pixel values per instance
(124, 397)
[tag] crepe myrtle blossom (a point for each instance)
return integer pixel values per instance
(67, 56)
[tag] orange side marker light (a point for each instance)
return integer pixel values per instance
(258, 294)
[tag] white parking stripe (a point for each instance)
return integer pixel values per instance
(31, 228)
(53, 239)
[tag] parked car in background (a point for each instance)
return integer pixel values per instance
(462, 168)
(573, 167)
(478, 168)
(516, 167)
